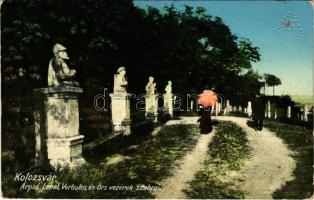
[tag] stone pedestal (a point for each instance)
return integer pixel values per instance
(219, 107)
(168, 104)
(216, 108)
(268, 110)
(191, 105)
(56, 119)
(234, 109)
(151, 107)
(120, 111)
(275, 117)
(289, 112)
(306, 113)
(228, 107)
(249, 108)
(240, 109)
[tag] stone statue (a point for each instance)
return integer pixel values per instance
(168, 99)
(150, 87)
(120, 81)
(59, 74)
(168, 88)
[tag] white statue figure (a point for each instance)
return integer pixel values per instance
(120, 81)
(59, 74)
(168, 88)
(150, 87)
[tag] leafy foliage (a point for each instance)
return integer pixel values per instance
(184, 46)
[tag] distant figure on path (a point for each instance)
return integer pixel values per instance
(206, 100)
(258, 112)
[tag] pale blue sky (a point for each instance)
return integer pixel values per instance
(285, 52)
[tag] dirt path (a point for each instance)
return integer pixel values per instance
(191, 163)
(270, 166)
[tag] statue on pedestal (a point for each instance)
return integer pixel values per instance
(120, 104)
(150, 87)
(168, 108)
(120, 81)
(59, 73)
(151, 102)
(249, 108)
(56, 116)
(168, 88)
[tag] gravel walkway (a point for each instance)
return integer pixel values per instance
(191, 163)
(270, 166)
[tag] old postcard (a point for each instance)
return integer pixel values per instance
(156, 99)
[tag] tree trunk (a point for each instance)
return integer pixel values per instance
(273, 90)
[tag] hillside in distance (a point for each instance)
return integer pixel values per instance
(303, 99)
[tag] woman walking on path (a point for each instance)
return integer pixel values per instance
(206, 100)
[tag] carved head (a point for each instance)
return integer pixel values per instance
(151, 79)
(121, 70)
(59, 51)
(169, 83)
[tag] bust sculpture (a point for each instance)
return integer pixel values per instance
(150, 87)
(120, 81)
(59, 73)
(168, 88)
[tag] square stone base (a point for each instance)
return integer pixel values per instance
(123, 127)
(65, 152)
(151, 107)
(152, 116)
(120, 110)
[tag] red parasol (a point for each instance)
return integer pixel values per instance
(207, 98)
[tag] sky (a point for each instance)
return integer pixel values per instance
(283, 30)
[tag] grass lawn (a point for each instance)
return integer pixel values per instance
(139, 163)
(300, 140)
(228, 150)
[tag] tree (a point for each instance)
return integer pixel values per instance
(272, 81)
(189, 47)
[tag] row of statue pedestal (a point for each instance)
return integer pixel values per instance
(56, 118)
(270, 112)
(56, 114)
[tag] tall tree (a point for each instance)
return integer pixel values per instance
(189, 47)
(272, 81)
